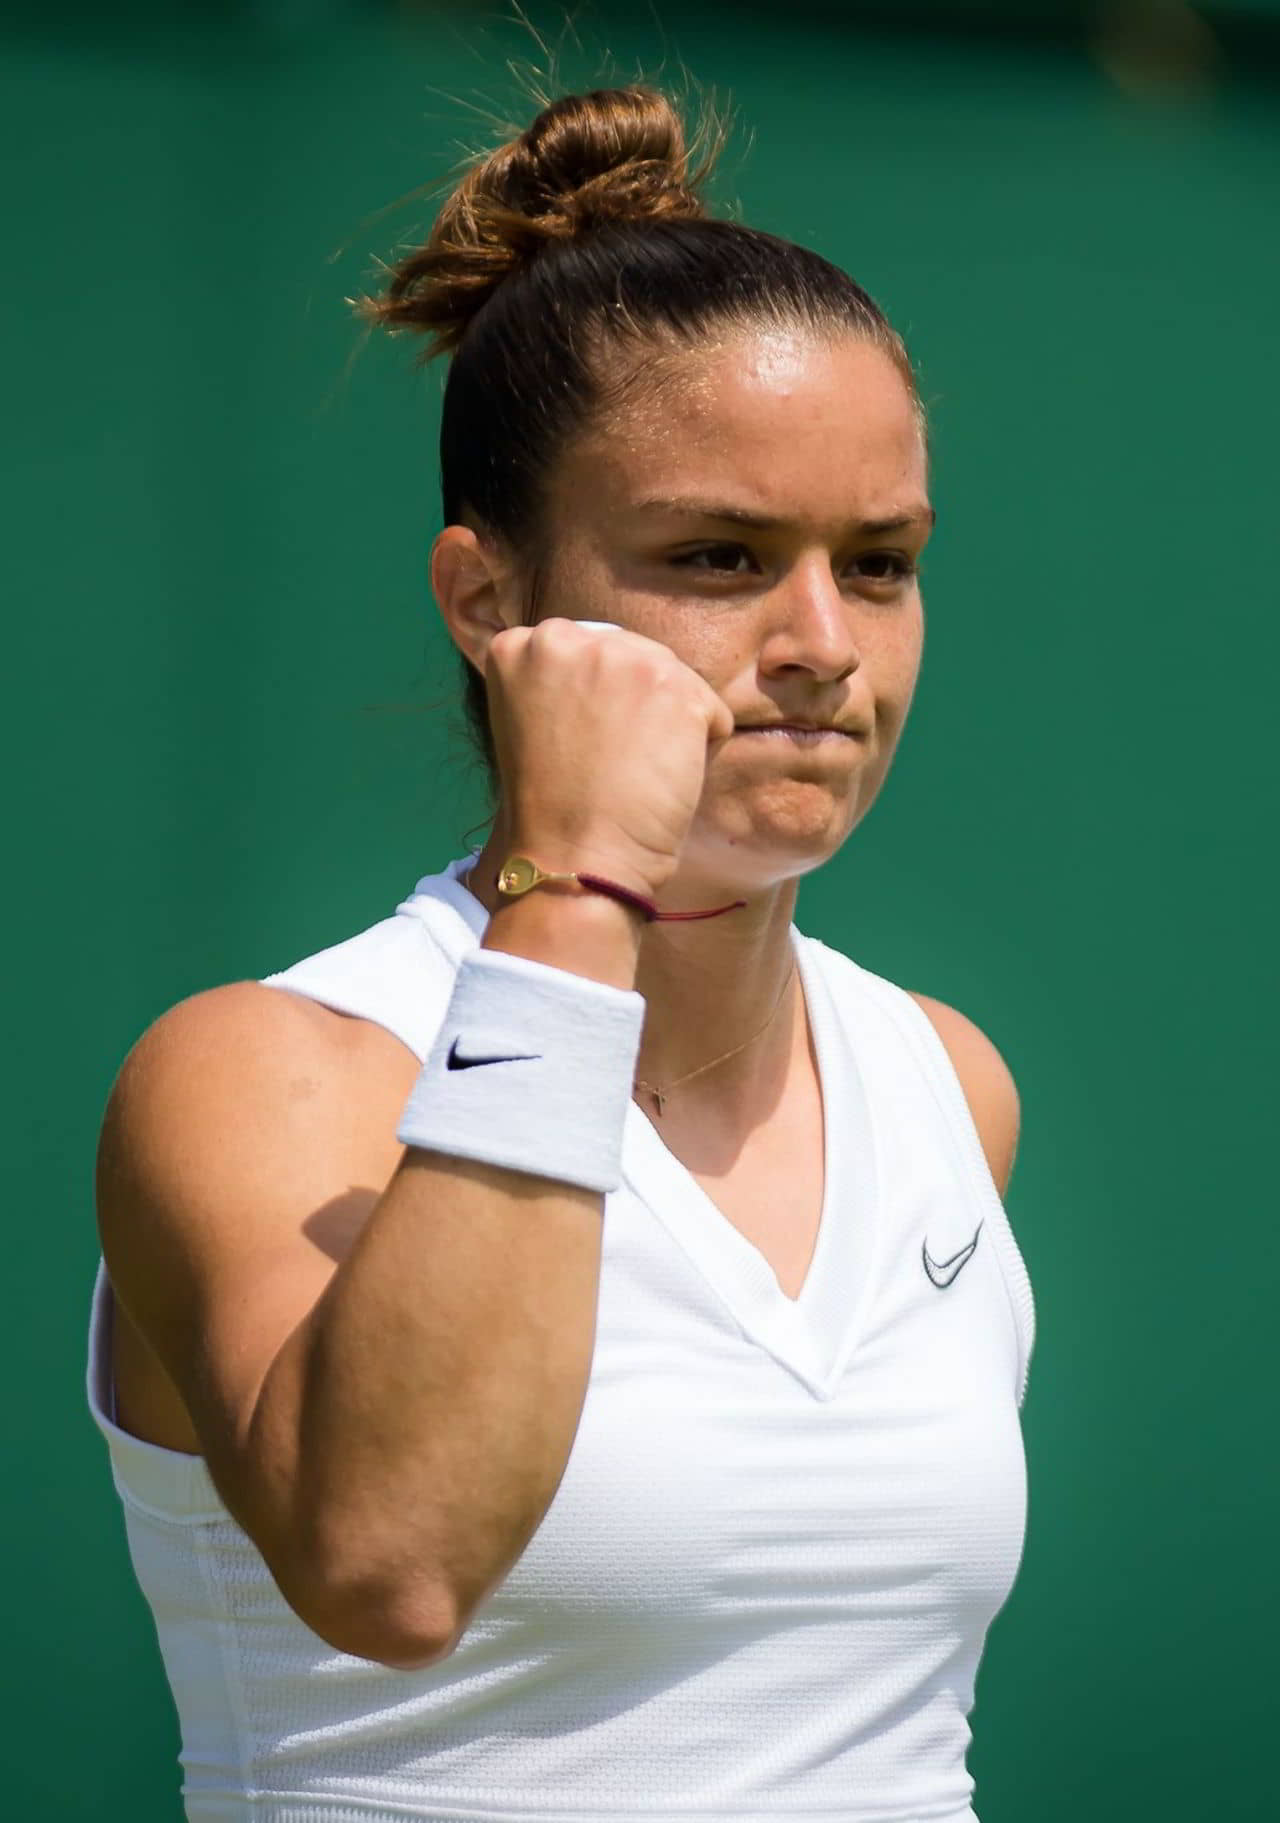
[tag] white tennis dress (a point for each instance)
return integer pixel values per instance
(764, 1584)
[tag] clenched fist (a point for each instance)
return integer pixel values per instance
(602, 738)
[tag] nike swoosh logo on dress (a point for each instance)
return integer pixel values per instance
(958, 1261)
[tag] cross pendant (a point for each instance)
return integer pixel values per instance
(659, 1097)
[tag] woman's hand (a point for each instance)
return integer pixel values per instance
(602, 738)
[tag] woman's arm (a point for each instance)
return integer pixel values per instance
(388, 1427)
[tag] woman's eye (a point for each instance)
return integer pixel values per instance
(886, 566)
(729, 559)
(721, 557)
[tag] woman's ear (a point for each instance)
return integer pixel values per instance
(474, 588)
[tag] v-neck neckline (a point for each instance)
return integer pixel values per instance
(814, 1333)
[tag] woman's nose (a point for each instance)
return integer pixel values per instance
(813, 625)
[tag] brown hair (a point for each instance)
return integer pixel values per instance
(585, 231)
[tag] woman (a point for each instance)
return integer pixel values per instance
(563, 1345)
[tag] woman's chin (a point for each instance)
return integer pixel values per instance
(755, 855)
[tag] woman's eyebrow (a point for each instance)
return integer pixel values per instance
(766, 522)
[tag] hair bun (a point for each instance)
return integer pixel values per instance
(612, 155)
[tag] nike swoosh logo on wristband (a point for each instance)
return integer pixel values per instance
(456, 1062)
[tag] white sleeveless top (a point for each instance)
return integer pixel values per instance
(764, 1584)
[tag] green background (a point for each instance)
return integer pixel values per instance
(234, 735)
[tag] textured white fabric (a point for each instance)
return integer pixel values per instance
(532, 1068)
(763, 1586)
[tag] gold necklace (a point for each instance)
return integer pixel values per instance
(660, 1095)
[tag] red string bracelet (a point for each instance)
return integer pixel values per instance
(647, 906)
(519, 875)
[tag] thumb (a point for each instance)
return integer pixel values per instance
(720, 723)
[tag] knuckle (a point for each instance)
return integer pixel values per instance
(553, 630)
(507, 644)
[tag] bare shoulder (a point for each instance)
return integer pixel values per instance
(245, 1140)
(987, 1081)
(245, 1071)
(244, 1040)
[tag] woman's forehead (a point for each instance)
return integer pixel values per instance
(776, 421)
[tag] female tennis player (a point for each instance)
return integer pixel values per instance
(563, 1346)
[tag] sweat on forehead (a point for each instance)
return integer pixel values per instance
(661, 367)
(765, 403)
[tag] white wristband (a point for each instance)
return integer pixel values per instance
(532, 1069)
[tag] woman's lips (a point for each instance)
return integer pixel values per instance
(794, 732)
